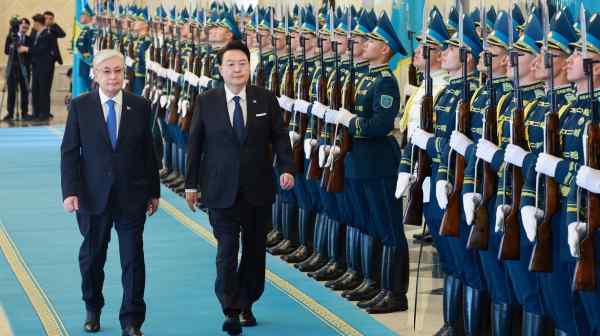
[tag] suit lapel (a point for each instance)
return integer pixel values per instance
(100, 117)
(251, 108)
(124, 119)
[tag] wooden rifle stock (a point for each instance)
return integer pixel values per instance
(541, 256)
(450, 225)
(130, 70)
(585, 269)
(315, 171)
(510, 243)
(173, 107)
(414, 210)
(186, 120)
(335, 178)
(301, 119)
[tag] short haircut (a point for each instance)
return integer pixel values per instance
(233, 45)
(26, 20)
(39, 18)
(106, 54)
(49, 13)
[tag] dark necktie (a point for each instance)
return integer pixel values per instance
(111, 122)
(238, 120)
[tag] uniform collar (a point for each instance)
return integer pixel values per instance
(532, 87)
(379, 68)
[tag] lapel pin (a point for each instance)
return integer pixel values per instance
(254, 101)
(128, 108)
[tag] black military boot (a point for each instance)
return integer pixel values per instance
(536, 325)
(306, 223)
(275, 236)
(394, 279)
(319, 258)
(349, 282)
(476, 305)
(452, 300)
(290, 243)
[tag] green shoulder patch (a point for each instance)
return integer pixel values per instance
(386, 73)
(386, 101)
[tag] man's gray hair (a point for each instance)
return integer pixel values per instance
(106, 54)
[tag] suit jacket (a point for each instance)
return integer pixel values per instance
(57, 32)
(42, 57)
(220, 166)
(24, 57)
(92, 170)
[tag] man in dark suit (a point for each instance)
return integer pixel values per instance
(19, 71)
(57, 32)
(230, 161)
(109, 176)
(42, 61)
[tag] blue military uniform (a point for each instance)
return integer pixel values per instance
(84, 54)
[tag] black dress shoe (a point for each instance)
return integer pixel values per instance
(171, 177)
(232, 325)
(274, 237)
(390, 303)
(132, 331)
(163, 173)
(347, 283)
(92, 322)
(366, 291)
(332, 270)
(339, 279)
(176, 182)
(299, 255)
(372, 301)
(313, 264)
(284, 247)
(314, 255)
(247, 319)
(8, 118)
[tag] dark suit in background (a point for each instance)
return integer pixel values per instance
(57, 32)
(236, 183)
(42, 60)
(19, 72)
(113, 186)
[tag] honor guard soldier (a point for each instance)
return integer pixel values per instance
(376, 107)
(85, 50)
(577, 299)
(459, 59)
(353, 276)
(141, 44)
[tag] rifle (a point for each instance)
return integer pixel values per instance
(413, 215)
(130, 70)
(345, 98)
(260, 68)
(510, 243)
(541, 256)
(585, 269)
(148, 91)
(274, 75)
(480, 230)
(300, 118)
(450, 225)
(176, 65)
(189, 96)
(289, 73)
(314, 171)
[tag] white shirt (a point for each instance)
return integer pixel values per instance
(118, 99)
(231, 103)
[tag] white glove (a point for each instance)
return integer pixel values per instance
(576, 232)
(203, 81)
(323, 153)
(486, 150)
(402, 183)
(530, 216)
(459, 142)
(163, 101)
(333, 153)
(129, 61)
(145, 89)
(185, 107)
(344, 117)
(157, 95)
(420, 138)
(546, 164)
(286, 103)
(426, 187)
(515, 155)
(331, 116)
(301, 106)
(501, 212)
(294, 138)
(589, 179)
(308, 146)
(318, 110)
(469, 200)
(442, 189)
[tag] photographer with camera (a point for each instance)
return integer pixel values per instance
(18, 72)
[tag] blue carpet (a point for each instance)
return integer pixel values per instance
(180, 263)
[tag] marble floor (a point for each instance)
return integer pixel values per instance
(429, 298)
